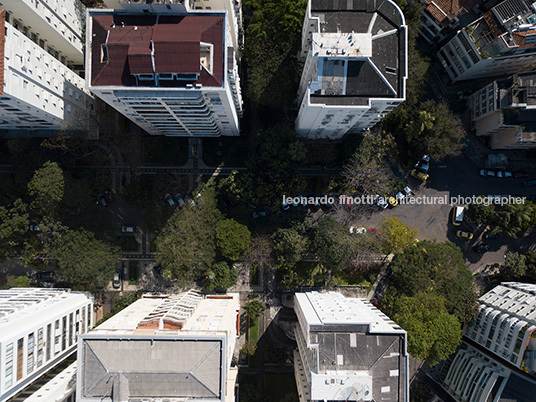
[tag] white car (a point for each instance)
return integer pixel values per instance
(358, 230)
(382, 202)
(503, 173)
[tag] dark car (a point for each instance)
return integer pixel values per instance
(521, 174)
(491, 236)
(481, 248)
(45, 276)
(529, 183)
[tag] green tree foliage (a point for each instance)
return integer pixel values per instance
(17, 282)
(396, 236)
(289, 247)
(83, 261)
(220, 277)
(330, 243)
(273, 38)
(249, 348)
(515, 264)
(433, 333)
(254, 309)
(14, 223)
(516, 218)
(232, 239)
(186, 247)
(438, 267)
(249, 392)
(120, 302)
(484, 214)
(46, 188)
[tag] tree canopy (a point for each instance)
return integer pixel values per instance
(396, 236)
(14, 223)
(433, 333)
(289, 247)
(83, 261)
(254, 308)
(330, 243)
(232, 239)
(220, 277)
(438, 267)
(186, 247)
(47, 188)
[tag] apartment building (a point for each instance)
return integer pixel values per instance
(501, 42)
(55, 25)
(170, 71)
(505, 112)
(38, 329)
(348, 350)
(162, 348)
(355, 66)
(60, 388)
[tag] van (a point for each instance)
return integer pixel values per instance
(457, 216)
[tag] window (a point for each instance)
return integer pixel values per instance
(63, 333)
(30, 361)
(88, 316)
(48, 342)
(39, 347)
(104, 53)
(57, 335)
(70, 329)
(20, 357)
(9, 365)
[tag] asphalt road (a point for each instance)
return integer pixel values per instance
(456, 177)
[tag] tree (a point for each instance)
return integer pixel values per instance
(46, 188)
(366, 173)
(83, 261)
(186, 247)
(433, 333)
(220, 277)
(259, 252)
(289, 247)
(515, 263)
(396, 235)
(484, 214)
(232, 239)
(330, 243)
(14, 223)
(515, 218)
(439, 267)
(254, 309)
(17, 282)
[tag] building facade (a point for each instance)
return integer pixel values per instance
(505, 111)
(348, 350)
(354, 66)
(162, 347)
(61, 388)
(171, 72)
(38, 329)
(37, 91)
(501, 42)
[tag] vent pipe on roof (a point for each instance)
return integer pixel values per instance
(152, 56)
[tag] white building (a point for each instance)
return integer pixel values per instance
(162, 348)
(37, 91)
(504, 111)
(348, 351)
(38, 329)
(171, 72)
(506, 324)
(55, 25)
(355, 66)
(61, 388)
(501, 42)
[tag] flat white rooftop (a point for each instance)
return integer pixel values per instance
(517, 299)
(332, 308)
(23, 307)
(348, 45)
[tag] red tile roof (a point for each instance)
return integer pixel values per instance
(445, 10)
(175, 39)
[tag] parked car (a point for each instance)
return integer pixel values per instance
(104, 198)
(521, 174)
(392, 201)
(457, 215)
(481, 248)
(504, 174)
(408, 191)
(116, 283)
(169, 200)
(419, 175)
(488, 235)
(34, 227)
(259, 212)
(358, 230)
(128, 228)
(424, 164)
(464, 235)
(382, 202)
(487, 173)
(45, 276)
(179, 199)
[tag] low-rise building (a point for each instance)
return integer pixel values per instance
(348, 350)
(505, 111)
(170, 71)
(39, 328)
(501, 42)
(355, 66)
(162, 347)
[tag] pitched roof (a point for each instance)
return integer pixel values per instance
(138, 45)
(445, 10)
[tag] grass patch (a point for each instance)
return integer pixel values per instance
(133, 272)
(160, 150)
(254, 330)
(280, 387)
(254, 275)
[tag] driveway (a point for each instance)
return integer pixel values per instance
(456, 177)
